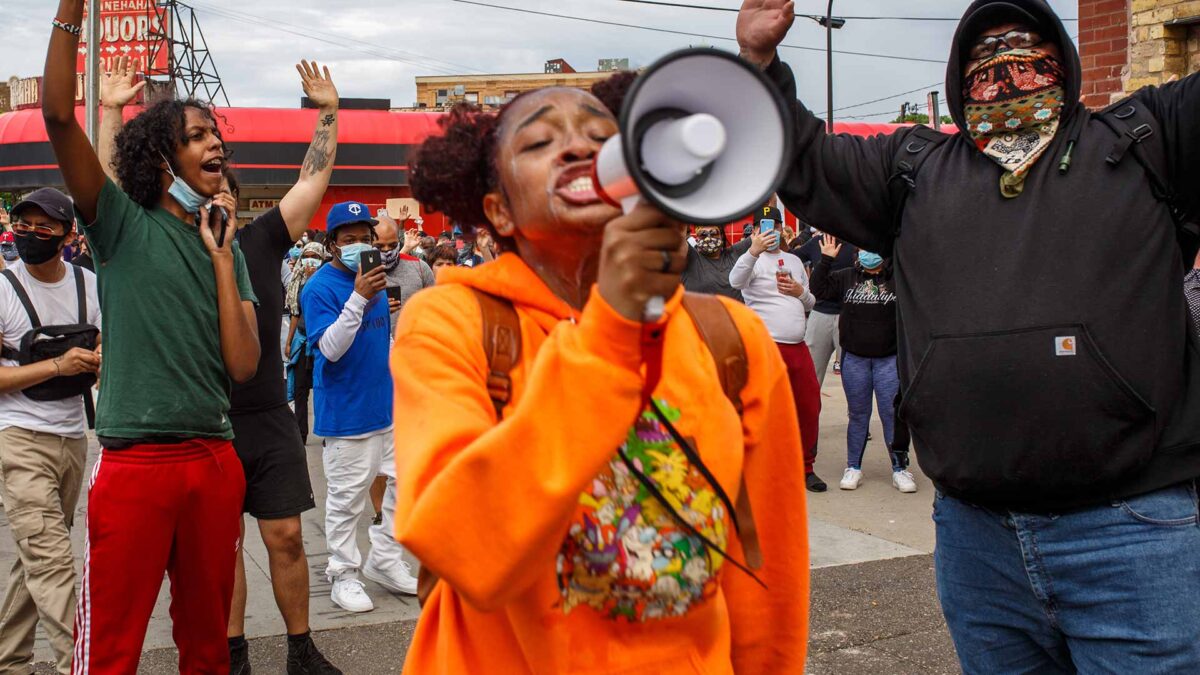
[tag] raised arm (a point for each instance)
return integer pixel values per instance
(824, 283)
(301, 202)
(834, 178)
(117, 90)
(80, 167)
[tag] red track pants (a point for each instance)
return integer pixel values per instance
(154, 509)
(806, 393)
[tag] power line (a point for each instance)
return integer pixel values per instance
(689, 34)
(807, 16)
(885, 98)
(346, 42)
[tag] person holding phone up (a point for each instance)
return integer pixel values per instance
(775, 285)
(346, 313)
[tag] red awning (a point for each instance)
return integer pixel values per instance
(263, 125)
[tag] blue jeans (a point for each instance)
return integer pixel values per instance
(861, 377)
(1109, 589)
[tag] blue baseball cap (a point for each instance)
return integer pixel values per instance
(348, 213)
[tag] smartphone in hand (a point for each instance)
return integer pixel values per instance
(369, 260)
(394, 293)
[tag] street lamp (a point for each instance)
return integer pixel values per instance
(830, 22)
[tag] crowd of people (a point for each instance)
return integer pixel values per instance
(586, 490)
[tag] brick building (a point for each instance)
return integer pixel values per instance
(1129, 44)
(442, 91)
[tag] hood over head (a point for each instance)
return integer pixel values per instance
(983, 14)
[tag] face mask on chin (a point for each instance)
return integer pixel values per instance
(189, 199)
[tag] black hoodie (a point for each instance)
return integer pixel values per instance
(1044, 360)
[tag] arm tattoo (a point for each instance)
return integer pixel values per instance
(328, 119)
(317, 159)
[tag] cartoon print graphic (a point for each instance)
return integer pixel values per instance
(626, 556)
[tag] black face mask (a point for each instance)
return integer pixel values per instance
(34, 251)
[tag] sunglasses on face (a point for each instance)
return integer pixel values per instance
(43, 232)
(708, 235)
(987, 46)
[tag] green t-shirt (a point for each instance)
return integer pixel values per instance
(163, 374)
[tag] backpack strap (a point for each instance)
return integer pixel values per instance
(501, 344)
(80, 293)
(6, 351)
(1136, 128)
(905, 165)
(720, 334)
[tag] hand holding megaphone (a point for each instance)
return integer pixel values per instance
(704, 138)
(642, 256)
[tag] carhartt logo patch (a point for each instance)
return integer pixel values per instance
(1064, 346)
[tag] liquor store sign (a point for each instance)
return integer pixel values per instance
(130, 28)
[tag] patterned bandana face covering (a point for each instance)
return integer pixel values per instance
(1013, 102)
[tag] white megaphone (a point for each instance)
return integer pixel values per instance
(704, 137)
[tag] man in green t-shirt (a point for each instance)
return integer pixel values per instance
(166, 494)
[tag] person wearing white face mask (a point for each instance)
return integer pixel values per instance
(406, 274)
(346, 314)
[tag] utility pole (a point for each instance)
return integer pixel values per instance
(91, 89)
(829, 66)
(935, 112)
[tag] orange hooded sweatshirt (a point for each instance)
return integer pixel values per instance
(553, 558)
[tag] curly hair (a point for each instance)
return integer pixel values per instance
(452, 172)
(611, 91)
(148, 138)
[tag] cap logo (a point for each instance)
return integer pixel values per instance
(355, 209)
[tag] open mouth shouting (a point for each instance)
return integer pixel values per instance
(213, 169)
(575, 186)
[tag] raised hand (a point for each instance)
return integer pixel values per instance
(318, 84)
(404, 214)
(761, 26)
(761, 242)
(117, 89)
(830, 246)
(412, 239)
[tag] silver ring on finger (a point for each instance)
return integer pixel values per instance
(667, 262)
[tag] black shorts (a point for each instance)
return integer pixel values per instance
(276, 465)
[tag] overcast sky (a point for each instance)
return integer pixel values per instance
(375, 48)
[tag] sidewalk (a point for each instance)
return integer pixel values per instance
(874, 607)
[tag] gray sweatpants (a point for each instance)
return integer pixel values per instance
(821, 337)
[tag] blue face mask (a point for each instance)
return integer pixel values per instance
(869, 261)
(189, 199)
(350, 252)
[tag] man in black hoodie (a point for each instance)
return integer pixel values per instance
(1048, 382)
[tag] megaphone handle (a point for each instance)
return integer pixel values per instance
(655, 307)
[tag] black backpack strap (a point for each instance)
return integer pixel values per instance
(34, 321)
(80, 293)
(1137, 135)
(907, 162)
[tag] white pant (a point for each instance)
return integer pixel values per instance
(822, 340)
(351, 465)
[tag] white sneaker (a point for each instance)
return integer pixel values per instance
(850, 479)
(903, 481)
(350, 594)
(397, 578)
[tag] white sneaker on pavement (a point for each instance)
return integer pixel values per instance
(850, 479)
(903, 481)
(397, 578)
(350, 594)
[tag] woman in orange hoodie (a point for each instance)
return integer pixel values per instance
(588, 528)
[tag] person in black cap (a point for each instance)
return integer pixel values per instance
(1046, 373)
(43, 448)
